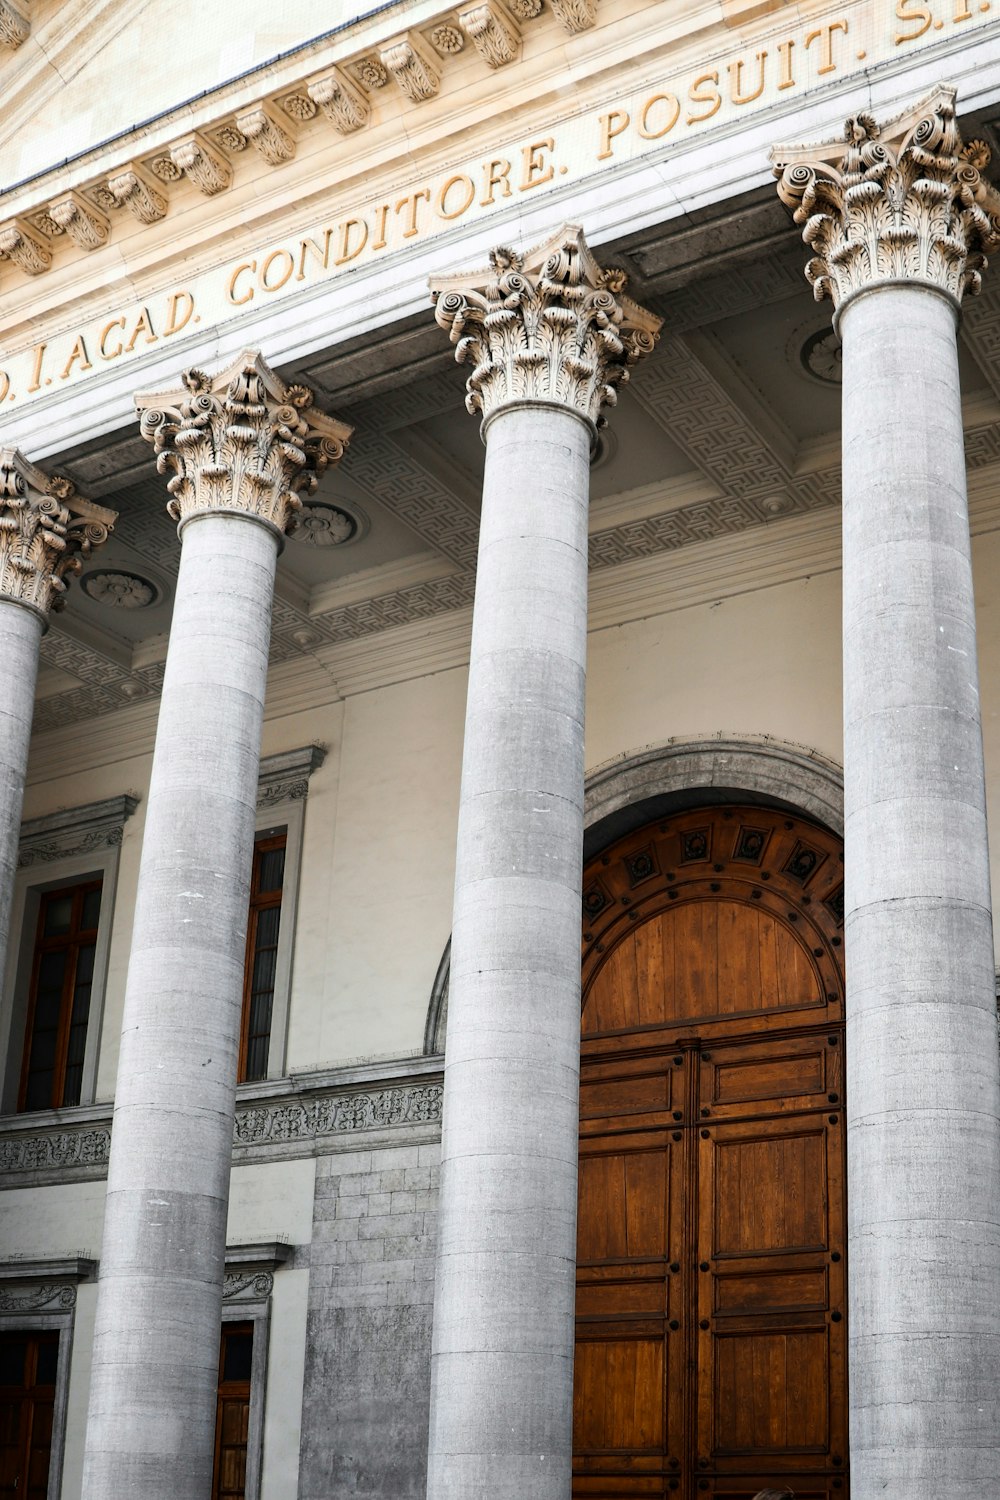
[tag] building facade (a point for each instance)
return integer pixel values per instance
(498, 509)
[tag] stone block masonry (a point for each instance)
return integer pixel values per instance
(371, 1290)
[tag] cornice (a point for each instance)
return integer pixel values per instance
(285, 777)
(91, 199)
(75, 830)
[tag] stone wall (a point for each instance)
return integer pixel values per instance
(371, 1289)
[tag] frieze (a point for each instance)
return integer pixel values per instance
(46, 1298)
(339, 1114)
(305, 1124)
(285, 777)
(77, 830)
(240, 1287)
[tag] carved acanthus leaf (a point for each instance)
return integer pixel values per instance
(262, 129)
(576, 15)
(132, 189)
(86, 227)
(550, 326)
(493, 30)
(241, 440)
(24, 246)
(906, 202)
(340, 100)
(15, 23)
(209, 171)
(45, 531)
(413, 66)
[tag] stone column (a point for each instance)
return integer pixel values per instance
(897, 220)
(45, 530)
(239, 447)
(550, 339)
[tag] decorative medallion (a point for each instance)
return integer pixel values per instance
(324, 525)
(594, 899)
(232, 138)
(299, 107)
(372, 74)
(641, 865)
(750, 845)
(447, 39)
(822, 357)
(120, 590)
(165, 169)
(802, 862)
(694, 844)
(835, 904)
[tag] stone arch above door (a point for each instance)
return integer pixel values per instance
(641, 785)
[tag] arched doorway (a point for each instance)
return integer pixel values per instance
(711, 1342)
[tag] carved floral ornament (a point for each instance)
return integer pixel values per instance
(46, 529)
(241, 441)
(906, 201)
(551, 326)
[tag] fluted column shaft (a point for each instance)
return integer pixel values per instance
(898, 218)
(155, 1370)
(549, 341)
(923, 1098)
(237, 445)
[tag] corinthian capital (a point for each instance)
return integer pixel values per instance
(45, 531)
(901, 202)
(241, 441)
(550, 326)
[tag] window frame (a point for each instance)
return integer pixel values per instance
(53, 943)
(61, 1323)
(280, 818)
(30, 885)
(258, 1313)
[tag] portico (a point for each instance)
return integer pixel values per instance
(636, 546)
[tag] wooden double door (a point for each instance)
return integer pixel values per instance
(711, 1333)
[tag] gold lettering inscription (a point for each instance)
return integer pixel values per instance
(920, 15)
(381, 214)
(410, 202)
(77, 355)
(310, 247)
(825, 33)
(786, 81)
(347, 250)
(736, 80)
(144, 325)
(284, 260)
(176, 320)
(468, 190)
(117, 324)
(35, 382)
(249, 266)
(536, 170)
(667, 117)
(612, 124)
(697, 95)
(4, 385)
(496, 175)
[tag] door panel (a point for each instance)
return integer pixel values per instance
(710, 1330)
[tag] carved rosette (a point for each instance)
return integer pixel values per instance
(46, 530)
(548, 327)
(241, 441)
(905, 202)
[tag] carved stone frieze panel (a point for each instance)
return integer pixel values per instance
(241, 1286)
(207, 169)
(241, 440)
(47, 1297)
(62, 1150)
(905, 201)
(15, 22)
(285, 777)
(340, 99)
(131, 188)
(338, 1114)
(551, 326)
(493, 31)
(413, 66)
(45, 531)
(77, 830)
(85, 225)
(264, 131)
